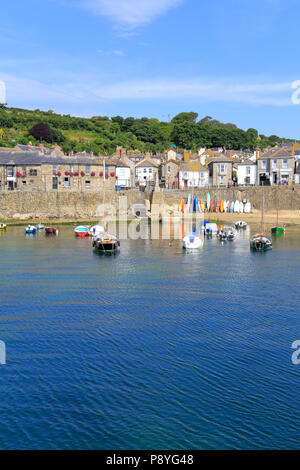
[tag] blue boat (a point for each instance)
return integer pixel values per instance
(30, 229)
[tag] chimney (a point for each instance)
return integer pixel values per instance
(186, 156)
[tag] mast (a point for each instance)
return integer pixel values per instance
(262, 210)
(104, 177)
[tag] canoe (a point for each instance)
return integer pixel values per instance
(231, 207)
(208, 201)
(236, 206)
(241, 207)
(211, 209)
(215, 203)
(222, 206)
(225, 206)
(228, 207)
(188, 202)
(247, 208)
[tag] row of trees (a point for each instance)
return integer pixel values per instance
(102, 134)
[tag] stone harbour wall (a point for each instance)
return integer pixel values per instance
(83, 205)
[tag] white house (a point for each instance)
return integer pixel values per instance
(123, 175)
(193, 175)
(146, 171)
(246, 173)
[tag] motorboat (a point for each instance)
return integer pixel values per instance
(51, 230)
(260, 242)
(192, 242)
(2, 226)
(83, 231)
(40, 227)
(106, 243)
(30, 229)
(240, 225)
(227, 233)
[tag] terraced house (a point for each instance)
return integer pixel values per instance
(277, 166)
(36, 171)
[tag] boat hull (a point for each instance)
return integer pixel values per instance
(277, 230)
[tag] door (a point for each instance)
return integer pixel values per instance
(54, 183)
(10, 185)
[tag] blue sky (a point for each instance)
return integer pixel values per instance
(234, 60)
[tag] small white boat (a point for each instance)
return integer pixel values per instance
(82, 231)
(97, 230)
(192, 242)
(240, 224)
(30, 229)
(40, 227)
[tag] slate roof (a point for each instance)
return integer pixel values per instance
(276, 152)
(38, 158)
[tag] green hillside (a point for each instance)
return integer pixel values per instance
(100, 134)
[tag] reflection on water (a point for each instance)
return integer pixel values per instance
(151, 348)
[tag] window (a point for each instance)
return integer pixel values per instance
(54, 169)
(264, 164)
(285, 164)
(274, 163)
(222, 168)
(66, 182)
(23, 183)
(10, 171)
(87, 184)
(248, 170)
(169, 169)
(32, 172)
(23, 170)
(88, 170)
(221, 179)
(150, 170)
(145, 170)
(71, 168)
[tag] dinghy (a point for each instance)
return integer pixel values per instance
(2, 226)
(82, 231)
(192, 242)
(30, 229)
(240, 224)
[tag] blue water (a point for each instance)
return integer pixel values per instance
(149, 349)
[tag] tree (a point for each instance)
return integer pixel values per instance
(185, 117)
(42, 131)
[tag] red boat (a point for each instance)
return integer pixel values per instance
(51, 230)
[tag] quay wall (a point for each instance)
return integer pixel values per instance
(83, 205)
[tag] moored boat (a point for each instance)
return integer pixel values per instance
(260, 242)
(97, 230)
(106, 243)
(192, 242)
(240, 225)
(51, 230)
(227, 233)
(30, 229)
(2, 226)
(278, 230)
(40, 226)
(82, 231)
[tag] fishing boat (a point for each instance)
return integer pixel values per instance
(2, 226)
(40, 226)
(192, 242)
(106, 243)
(82, 231)
(260, 242)
(240, 224)
(51, 231)
(30, 229)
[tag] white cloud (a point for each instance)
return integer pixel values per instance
(75, 94)
(276, 94)
(130, 13)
